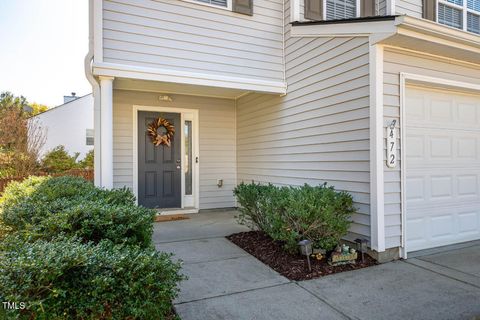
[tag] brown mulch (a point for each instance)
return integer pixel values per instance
(170, 217)
(292, 266)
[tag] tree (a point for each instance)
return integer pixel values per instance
(87, 162)
(8, 102)
(58, 160)
(20, 138)
(37, 108)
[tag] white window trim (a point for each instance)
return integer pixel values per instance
(357, 9)
(464, 9)
(229, 6)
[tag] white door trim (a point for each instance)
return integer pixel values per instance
(412, 78)
(195, 152)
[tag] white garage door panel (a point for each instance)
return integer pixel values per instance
(442, 168)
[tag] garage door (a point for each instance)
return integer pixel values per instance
(443, 167)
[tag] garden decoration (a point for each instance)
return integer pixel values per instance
(343, 255)
(159, 138)
(318, 253)
(362, 247)
(306, 250)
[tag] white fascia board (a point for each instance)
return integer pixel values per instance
(347, 29)
(175, 76)
(427, 27)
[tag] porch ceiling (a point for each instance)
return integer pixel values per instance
(176, 88)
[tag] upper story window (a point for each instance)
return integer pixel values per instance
(220, 3)
(461, 14)
(318, 10)
(341, 9)
(238, 6)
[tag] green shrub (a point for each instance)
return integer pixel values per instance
(44, 207)
(58, 160)
(87, 162)
(67, 279)
(290, 214)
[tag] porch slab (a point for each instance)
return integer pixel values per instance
(199, 226)
(216, 278)
(397, 290)
(202, 250)
(287, 301)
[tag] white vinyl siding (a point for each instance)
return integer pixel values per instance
(186, 36)
(319, 131)
(217, 142)
(409, 7)
(394, 63)
(341, 9)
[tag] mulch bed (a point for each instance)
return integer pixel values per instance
(292, 266)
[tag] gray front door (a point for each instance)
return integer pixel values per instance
(159, 173)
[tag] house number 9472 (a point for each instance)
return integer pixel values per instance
(392, 145)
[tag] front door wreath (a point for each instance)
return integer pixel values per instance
(161, 138)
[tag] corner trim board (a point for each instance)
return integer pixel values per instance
(377, 210)
(98, 30)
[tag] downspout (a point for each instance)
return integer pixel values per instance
(96, 97)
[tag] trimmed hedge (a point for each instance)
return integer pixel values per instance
(290, 214)
(74, 251)
(44, 207)
(66, 279)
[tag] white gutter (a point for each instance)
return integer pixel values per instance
(96, 97)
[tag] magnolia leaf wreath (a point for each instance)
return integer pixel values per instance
(156, 137)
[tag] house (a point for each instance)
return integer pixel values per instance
(69, 124)
(293, 92)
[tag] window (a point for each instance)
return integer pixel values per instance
(90, 139)
(460, 14)
(341, 9)
(220, 3)
(188, 157)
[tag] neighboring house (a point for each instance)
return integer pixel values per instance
(69, 124)
(276, 91)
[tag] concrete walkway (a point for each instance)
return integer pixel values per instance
(225, 282)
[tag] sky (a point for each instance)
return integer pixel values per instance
(43, 44)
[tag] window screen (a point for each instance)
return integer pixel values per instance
(221, 3)
(473, 23)
(341, 9)
(90, 139)
(450, 16)
(473, 5)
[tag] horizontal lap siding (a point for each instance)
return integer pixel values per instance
(217, 142)
(394, 63)
(319, 131)
(409, 7)
(183, 36)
